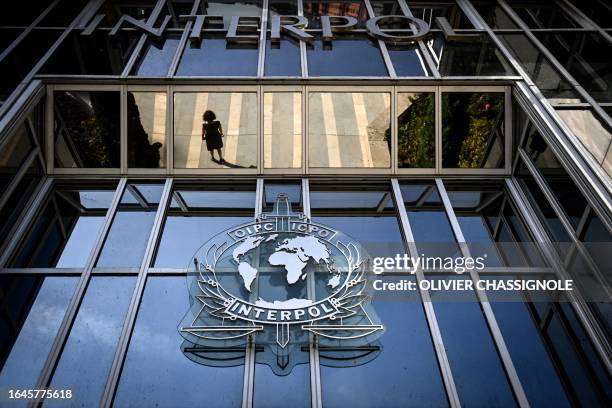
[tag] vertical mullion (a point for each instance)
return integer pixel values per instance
(425, 54)
(262, 40)
(303, 53)
(508, 129)
(49, 127)
(394, 131)
(381, 45)
(79, 293)
(500, 344)
(430, 314)
(438, 130)
(248, 385)
(130, 319)
(313, 350)
(597, 336)
(123, 142)
(169, 130)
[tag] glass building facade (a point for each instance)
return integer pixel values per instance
(491, 130)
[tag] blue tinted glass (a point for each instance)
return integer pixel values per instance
(81, 240)
(531, 360)
(29, 353)
(292, 390)
(355, 57)
(156, 372)
(156, 57)
(213, 57)
(127, 239)
(477, 369)
(283, 59)
(406, 61)
(404, 374)
(90, 348)
(183, 235)
(379, 235)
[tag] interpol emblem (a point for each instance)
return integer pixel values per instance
(279, 282)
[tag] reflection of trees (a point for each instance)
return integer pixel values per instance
(468, 124)
(416, 132)
(141, 153)
(92, 129)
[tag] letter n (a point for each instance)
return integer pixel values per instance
(141, 25)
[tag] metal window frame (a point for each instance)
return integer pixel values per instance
(124, 164)
(489, 316)
(452, 394)
(526, 211)
(79, 293)
(132, 311)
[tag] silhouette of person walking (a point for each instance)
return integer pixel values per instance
(213, 134)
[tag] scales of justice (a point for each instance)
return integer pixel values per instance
(281, 285)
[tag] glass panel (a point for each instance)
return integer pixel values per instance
(537, 14)
(313, 10)
(32, 342)
(430, 226)
(127, 238)
(407, 60)
(293, 190)
(589, 128)
(404, 348)
(89, 351)
(345, 57)
(535, 366)
(561, 184)
(472, 130)
(214, 57)
(233, 130)
(416, 146)
(146, 129)
(386, 7)
(63, 13)
(87, 129)
(23, 14)
(196, 215)
(114, 9)
(599, 12)
(273, 390)
(283, 59)
(429, 12)
(156, 56)
(494, 15)
(95, 54)
(18, 63)
(477, 369)
(282, 7)
(66, 229)
(404, 374)
(554, 226)
(162, 361)
(282, 130)
(229, 9)
(12, 154)
(478, 57)
(16, 202)
(584, 57)
(349, 130)
(544, 75)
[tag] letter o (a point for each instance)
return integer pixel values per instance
(314, 311)
(373, 26)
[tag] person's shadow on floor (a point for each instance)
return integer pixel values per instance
(232, 165)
